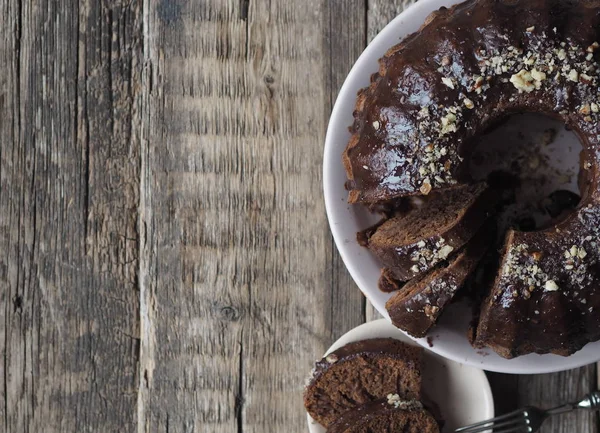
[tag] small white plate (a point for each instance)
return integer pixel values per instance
(346, 220)
(462, 393)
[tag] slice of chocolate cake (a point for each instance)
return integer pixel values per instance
(387, 281)
(413, 243)
(362, 372)
(391, 414)
(416, 307)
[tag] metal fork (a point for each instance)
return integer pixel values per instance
(529, 419)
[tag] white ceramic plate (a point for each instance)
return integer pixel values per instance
(462, 393)
(345, 220)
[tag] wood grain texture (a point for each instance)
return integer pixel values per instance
(68, 198)
(241, 288)
(345, 39)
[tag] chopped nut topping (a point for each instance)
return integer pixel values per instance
(530, 29)
(332, 358)
(448, 82)
(538, 77)
(424, 113)
(376, 125)
(431, 310)
(398, 403)
(426, 187)
(594, 107)
(551, 286)
(523, 81)
(468, 103)
(573, 75)
(414, 268)
(448, 123)
(445, 251)
(585, 109)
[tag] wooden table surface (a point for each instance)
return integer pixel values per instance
(166, 261)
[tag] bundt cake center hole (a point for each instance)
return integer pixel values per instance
(538, 157)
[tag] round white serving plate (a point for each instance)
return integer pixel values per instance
(462, 393)
(345, 220)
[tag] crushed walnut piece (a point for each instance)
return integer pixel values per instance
(332, 358)
(550, 286)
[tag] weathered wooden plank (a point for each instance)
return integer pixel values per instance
(239, 296)
(69, 164)
(345, 37)
(230, 184)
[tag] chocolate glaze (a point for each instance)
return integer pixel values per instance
(532, 56)
(390, 144)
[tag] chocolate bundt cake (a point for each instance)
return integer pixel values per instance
(416, 241)
(391, 414)
(362, 372)
(468, 67)
(416, 307)
(545, 298)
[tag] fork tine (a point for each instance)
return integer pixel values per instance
(509, 425)
(469, 428)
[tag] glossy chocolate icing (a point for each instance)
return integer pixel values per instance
(465, 69)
